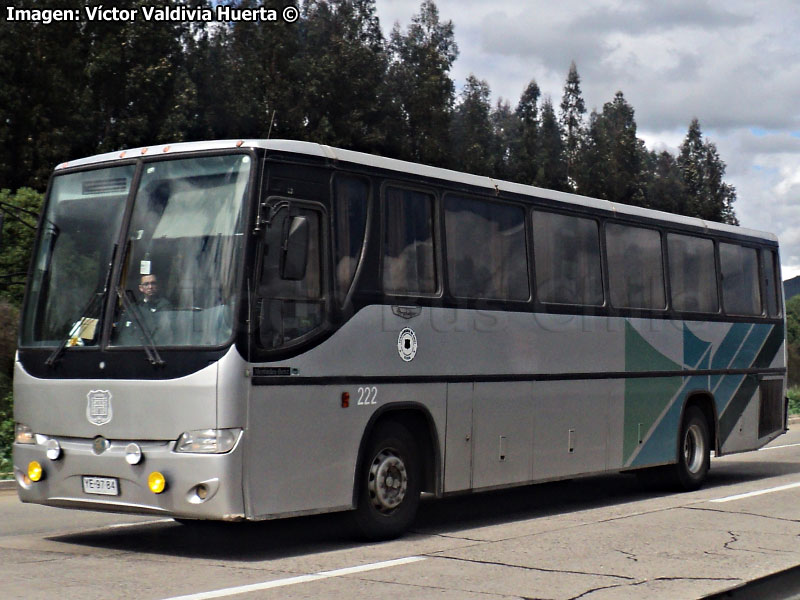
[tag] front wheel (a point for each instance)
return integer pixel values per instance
(694, 451)
(388, 483)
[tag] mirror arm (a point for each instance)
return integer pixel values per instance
(272, 211)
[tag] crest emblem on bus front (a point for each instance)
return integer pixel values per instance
(98, 409)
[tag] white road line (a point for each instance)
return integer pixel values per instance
(276, 583)
(780, 488)
(776, 447)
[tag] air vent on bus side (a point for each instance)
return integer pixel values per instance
(771, 407)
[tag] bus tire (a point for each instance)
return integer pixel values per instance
(694, 451)
(388, 483)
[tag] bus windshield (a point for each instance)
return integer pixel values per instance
(182, 251)
(79, 229)
(179, 255)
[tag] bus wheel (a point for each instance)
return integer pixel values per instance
(388, 483)
(694, 451)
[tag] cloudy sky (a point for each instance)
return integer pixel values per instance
(733, 64)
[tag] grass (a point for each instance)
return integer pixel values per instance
(794, 400)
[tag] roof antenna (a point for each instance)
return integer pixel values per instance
(271, 122)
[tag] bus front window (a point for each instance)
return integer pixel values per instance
(80, 227)
(183, 253)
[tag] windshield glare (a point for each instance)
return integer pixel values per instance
(179, 257)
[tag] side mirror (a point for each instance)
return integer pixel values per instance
(295, 248)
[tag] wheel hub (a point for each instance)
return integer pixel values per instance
(693, 451)
(388, 481)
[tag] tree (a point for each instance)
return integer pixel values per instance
(571, 119)
(612, 167)
(341, 69)
(505, 125)
(140, 91)
(525, 148)
(43, 96)
(552, 173)
(17, 241)
(702, 169)
(664, 189)
(472, 134)
(423, 92)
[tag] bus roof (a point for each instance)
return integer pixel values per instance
(391, 164)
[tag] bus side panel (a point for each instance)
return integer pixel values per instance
(302, 445)
(458, 438)
(503, 433)
(655, 404)
(572, 427)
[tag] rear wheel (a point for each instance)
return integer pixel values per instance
(694, 451)
(388, 483)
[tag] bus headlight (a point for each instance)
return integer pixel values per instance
(23, 434)
(208, 441)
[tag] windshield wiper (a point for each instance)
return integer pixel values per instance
(148, 344)
(77, 329)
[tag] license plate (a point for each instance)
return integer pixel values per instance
(105, 486)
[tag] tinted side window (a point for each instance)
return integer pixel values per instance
(567, 258)
(290, 309)
(486, 255)
(351, 198)
(740, 290)
(769, 270)
(692, 273)
(635, 268)
(408, 257)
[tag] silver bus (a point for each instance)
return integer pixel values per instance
(246, 330)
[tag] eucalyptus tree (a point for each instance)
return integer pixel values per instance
(339, 72)
(423, 93)
(552, 172)
(472, 133)
(43, 96)
(702, 170)
(525, 148)
(611, 162)
(571, 119)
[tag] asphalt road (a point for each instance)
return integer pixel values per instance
(598, 538)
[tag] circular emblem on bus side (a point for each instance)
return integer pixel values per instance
(407, 344)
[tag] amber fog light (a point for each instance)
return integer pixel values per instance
(35, 471)
(156, 482)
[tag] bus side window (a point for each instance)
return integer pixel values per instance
(769, 270)
(740, 289)
(289, 308)
(408, 253)
(351, 200)
(692, 273)
(635, 267)
(566, 253)
(486, 255)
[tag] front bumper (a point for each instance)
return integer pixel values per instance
(220, 476)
